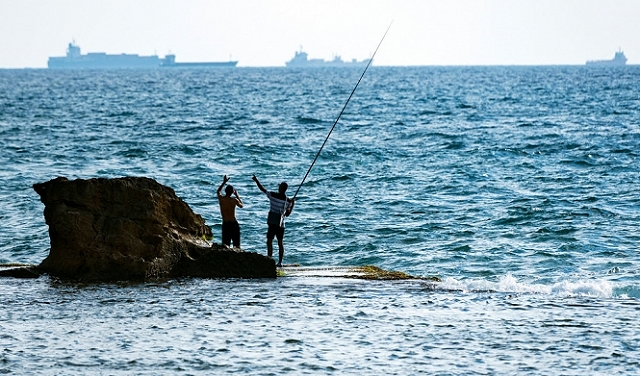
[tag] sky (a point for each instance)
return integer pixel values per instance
(261, 33)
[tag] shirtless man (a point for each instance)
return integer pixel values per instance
(230, 226)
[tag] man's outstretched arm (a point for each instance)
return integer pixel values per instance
(258, 184)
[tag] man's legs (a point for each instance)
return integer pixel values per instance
(226, 237)
(277, 232)
(280, 250)
(236, 235)
(280, 237)
(270, 235)
(269, 247)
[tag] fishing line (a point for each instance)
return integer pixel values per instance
(341, 112)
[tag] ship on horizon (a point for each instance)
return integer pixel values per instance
(300, 59)
(618, 60)
(100, 60)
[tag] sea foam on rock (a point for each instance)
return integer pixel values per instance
(133, 228)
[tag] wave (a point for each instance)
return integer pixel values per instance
(509, 284)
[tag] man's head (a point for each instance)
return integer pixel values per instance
(282, 188)
(228, 190)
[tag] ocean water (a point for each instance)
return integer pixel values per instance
(519, 187)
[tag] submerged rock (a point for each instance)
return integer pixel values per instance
(133, 228)
(368, 272)
(19, 271)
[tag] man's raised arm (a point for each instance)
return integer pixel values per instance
(258, 184)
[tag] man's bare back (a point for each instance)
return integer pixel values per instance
(228, 203)
(228, 207)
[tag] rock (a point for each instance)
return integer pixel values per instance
(25, 271)
(133, 228)
(223, 262)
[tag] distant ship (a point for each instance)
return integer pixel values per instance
(618, 60)
(300, 59)
(101, 60)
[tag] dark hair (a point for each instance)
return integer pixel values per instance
(283, 187)
(229, 190)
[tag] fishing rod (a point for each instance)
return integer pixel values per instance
(341, 112)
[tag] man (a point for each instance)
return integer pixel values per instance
(230, 226)
(280, 207)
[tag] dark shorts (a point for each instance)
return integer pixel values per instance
(231, 232)
(275, 231)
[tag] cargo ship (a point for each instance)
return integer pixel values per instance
(618, 60)
(100, 60)
(301, 59)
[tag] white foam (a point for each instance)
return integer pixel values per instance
(509, 284)
(595, 288)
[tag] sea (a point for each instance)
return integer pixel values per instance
(518, 187)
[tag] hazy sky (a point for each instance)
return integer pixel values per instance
(268, 32)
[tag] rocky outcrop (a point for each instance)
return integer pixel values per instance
(133, 228)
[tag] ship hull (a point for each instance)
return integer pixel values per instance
(325, 64)
(140, 63)
(214, 64)
(606, 63)
(104, 62)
